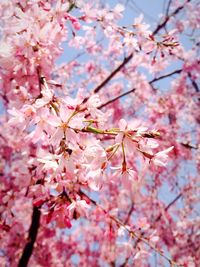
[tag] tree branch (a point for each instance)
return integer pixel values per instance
(110, 76)
(168, 7)
(169, 205)
(160, 215)
(133, 90)
(162, 25)
(116, 98)
(194, 84)
(28, 249)
(189, 146)
(129, 213)
(156, 220)
(165, 76)
(133, 234)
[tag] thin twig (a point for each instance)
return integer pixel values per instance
(116, 98)
(112, 74)
(175, 12)
(188, 145)
(160, 215)
(169, 205)
(165, 76)
(156, 220)
(133, 234)
(129, 213)
(168, 7)
(195, 85)
(133, 90)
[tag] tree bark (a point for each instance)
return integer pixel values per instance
(28, 249)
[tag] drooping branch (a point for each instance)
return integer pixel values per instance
(160, 215)
(133, 234)
(33, 231)
(127, 59)
(35, 222)
(156, 220)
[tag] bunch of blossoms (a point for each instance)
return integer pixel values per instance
(59, 151)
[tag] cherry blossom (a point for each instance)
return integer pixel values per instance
(99, 153)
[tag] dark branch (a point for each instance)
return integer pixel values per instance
(168, 7)
(160, 215)
(116, 98)
(133, 90)
(189, 146)
(125, 222)
(165, 76)
(156, 220)
(194, 84)
(28, 249)
(169, 205)
(39, 79)
(162, 25)
(110, 76)
(132, 233)
(129, 213)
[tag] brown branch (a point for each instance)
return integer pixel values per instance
(129, 213)
(189, 146)
(156, 220)
(110, 76)
(169, 205)
(125, 222)
(133, 234)
(160, 215)
(39, 80)
(168, 7)
(162, 25)
(165, 76)
(116, 98)
(133, 90)
(194, 84)
(127, 59)
(28, 249)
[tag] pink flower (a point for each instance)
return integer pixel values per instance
(80, 206)
(93, 103)
(95, 156)
(47, 95)
(161, 158)
(122, 136)
(143, 224)
(74, 21)
(142, 28)
(127, 175)
(50, 162)
(66, 119)
(95, 179)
